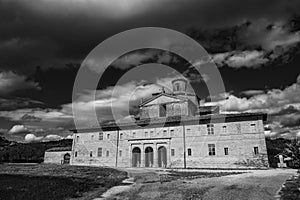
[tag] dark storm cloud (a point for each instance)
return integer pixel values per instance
(53, 32)
(11, 83)
(19, 103)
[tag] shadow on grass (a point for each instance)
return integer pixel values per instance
(44, 187)
(55, 181)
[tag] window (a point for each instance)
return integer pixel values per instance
(75, 153)
(177, 87)
(121, 136)
(120, 153)
(133, 134)
(99, 152)
(253, 128)
(165, 133)
(226, 151)
(256, 151)
(162, 110)
(188, 131)
(91, 153)
(210, 129)
(189, 152)
(77, 139)
(172, 152)
(92, 137)
(224, 129)
(100, 136)
(146, 134)
(107, 153)
(108, 136)
(238, 127)
(151, 133)
(172, 132)
(211, 149)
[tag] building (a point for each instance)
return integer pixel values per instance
(58, 155)
(173, 131)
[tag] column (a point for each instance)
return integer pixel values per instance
(169, 155)
(130, 155)
(142, 164)
(155, 157)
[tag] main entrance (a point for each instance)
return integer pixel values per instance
(66, 158)
(148, 157)
(162, 157)
(136, 157)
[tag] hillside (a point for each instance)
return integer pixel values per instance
(4, 142)
(28, 152)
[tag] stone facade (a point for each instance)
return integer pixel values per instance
(60, 155)
(180, 137)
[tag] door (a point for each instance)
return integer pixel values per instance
(148, 157)
(162, 157)
(67, 158)
(136, 157)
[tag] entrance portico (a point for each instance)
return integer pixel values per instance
(150, 153)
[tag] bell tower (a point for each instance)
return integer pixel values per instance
(179, 86)
(180, 89)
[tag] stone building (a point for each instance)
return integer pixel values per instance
(58, 155)
(174, 131)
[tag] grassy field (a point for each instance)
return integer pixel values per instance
(41, 181)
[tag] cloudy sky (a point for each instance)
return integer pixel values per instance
(255, 45)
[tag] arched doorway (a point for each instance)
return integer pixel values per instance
(136, 157)
(148, 157)
(162, 157)
(67, 158)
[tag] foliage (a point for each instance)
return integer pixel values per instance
(3, 141)
(291, 189)
(287, 147)
(274, 147)
(292, 150)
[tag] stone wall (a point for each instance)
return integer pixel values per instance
(239, 137)
(55, 157)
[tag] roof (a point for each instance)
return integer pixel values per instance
(177, 120)
(179, 79)
(162, 94)
(55, 149)
(208, 108)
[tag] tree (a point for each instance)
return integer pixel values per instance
(292, 150)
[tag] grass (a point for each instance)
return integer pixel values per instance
(41, 181)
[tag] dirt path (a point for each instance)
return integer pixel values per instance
(255, 184)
